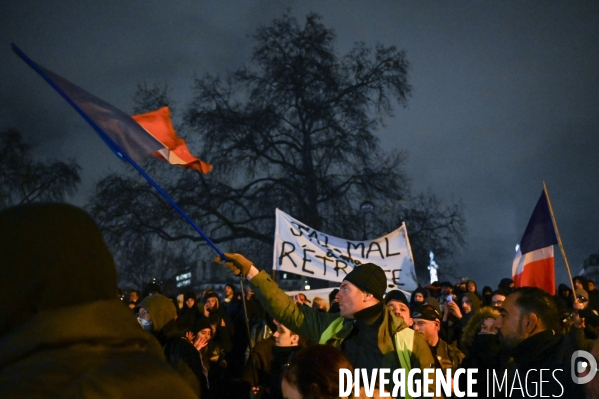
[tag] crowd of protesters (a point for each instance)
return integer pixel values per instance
(64, 332)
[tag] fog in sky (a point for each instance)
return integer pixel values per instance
(506, 95)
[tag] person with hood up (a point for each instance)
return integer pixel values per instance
(158, 315)
(214, 379)
(469, 305)
(487, 294)
(418, 297)
(471, 287)
(189, 315)
(506, 284)
(63, 332)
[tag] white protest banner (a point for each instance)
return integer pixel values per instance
(302, 250)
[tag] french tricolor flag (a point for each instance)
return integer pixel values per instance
(534, 262)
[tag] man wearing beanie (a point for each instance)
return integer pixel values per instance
(63, 332)
(363, 329)
(398, 304)
(427, 323)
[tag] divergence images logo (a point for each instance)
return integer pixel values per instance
(589, 365)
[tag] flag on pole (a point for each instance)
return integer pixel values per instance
(533, 264)
(158, 123)
(125, 137)
(121, 128)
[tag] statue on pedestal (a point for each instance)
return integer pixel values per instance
(433, 267)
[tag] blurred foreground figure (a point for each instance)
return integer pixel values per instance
(314, 374)
(63, 332)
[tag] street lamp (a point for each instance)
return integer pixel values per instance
(366, 207)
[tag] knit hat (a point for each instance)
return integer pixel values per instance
(426, 312)
(369, 278)
(190, 295)
(202, 324)
(161, 310)
(396, 295)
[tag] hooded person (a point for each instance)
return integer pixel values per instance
(160, 316)
(189, 315)
(472, 287)
(506, 284)
(461, 313)
(371, 336)
(487, 294)
(63, 332)
(418, 297)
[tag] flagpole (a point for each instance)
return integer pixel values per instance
(116, 149)
(559, 240)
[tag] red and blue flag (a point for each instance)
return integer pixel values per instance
(533, 264)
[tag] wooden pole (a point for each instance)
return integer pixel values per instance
(559, 240)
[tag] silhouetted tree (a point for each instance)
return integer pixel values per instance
(24, 180)
(293, 130)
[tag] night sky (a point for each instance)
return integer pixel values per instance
(506, 95)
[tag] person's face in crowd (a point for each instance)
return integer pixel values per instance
(565, 294)
(497, 300)
(591, 285)
(211, 303)
(418, 297)
(446, 290)
(143, 314)
(206, 334)
(284, 337)
(488, 326)
(145, 319)
(428, 329)
(228, 291)
(511, 323)
(290, 391)
(471, 286)
(351, 299)
(400, 309)
(578, 285)
(190, 302)
(302, 298)
(133, 296)
(463, 287)
(466, 304)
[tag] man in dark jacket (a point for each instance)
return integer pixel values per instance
(540, 356)
(427, 322)
(370, 336)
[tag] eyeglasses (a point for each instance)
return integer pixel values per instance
(496, 303)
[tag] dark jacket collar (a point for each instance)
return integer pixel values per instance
(369, 315)
(535, 345)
